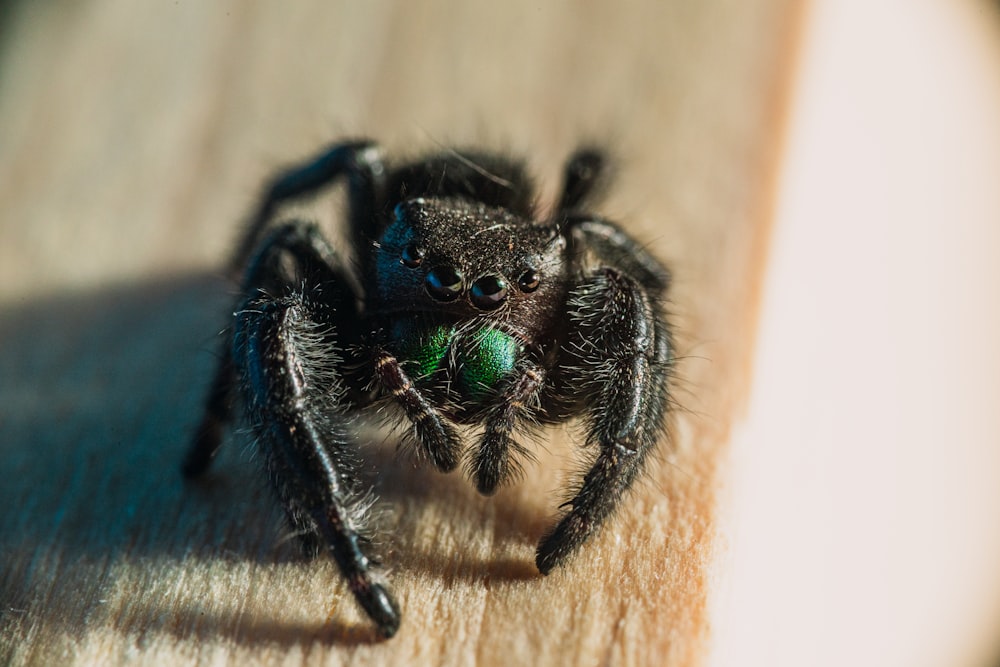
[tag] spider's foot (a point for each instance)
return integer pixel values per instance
(380, 606)
(562, 541)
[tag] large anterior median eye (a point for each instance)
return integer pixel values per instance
(444, 283)
(488, 292)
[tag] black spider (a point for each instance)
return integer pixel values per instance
(462, 309)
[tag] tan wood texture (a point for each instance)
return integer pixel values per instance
(134, 137)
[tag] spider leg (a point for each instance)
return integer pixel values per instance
(360, 161)
(584, 177)
(263, 273)
(491, 465)
(624, 356)
(295, 403)
(288, 359)
(614, 247)
(218, 413)
(435, 437)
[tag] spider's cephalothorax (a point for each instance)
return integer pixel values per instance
(460, 307)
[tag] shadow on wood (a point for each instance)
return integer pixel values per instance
(101, 392)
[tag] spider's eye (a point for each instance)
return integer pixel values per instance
(528, 282)
(443, 283)
(489, 292)
(413, 255)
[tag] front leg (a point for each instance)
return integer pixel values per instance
(286, 358)
(360, 161)
(265, 272)
(296, 403)
(624, 357)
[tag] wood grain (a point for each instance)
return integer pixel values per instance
(134, 137)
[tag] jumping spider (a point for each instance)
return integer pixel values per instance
(460, 308)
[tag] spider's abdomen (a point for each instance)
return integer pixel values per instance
(474, 362)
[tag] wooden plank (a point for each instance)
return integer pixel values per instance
(134, 138)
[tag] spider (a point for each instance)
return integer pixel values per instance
(459, 308)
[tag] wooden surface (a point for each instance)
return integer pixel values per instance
(133, 137)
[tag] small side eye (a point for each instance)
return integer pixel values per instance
(528, 282)
(413, 255)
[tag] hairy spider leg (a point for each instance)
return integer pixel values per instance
(306, 447)
(585, 177)
(263, 273)
(288, 355)
(624, 364)
(360, 161)
(615, 248)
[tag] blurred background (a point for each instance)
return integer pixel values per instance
(866, 479)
